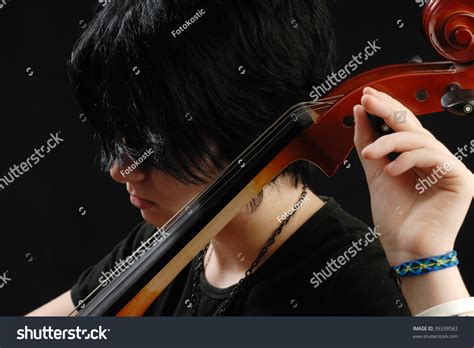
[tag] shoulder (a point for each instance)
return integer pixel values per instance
(337, 267)
(331, 229)
(109, 267)
(350, 268)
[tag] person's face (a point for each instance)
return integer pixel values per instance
(158, 196)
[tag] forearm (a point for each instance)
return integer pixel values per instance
(434, 288)
(59, 307)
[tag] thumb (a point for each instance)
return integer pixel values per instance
(364, 136)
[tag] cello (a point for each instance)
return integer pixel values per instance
(301, 133)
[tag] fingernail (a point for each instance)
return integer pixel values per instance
(368, 90)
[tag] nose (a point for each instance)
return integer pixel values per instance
(127, 172)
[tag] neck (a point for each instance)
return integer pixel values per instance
(235, 248)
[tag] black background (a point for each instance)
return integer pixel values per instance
(45, 241)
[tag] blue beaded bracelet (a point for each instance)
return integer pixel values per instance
(430, 264)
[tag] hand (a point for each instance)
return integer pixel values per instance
(412, 224)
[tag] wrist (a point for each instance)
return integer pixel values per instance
(426, 265)
(398, 258)
(398, 253)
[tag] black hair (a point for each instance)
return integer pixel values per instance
(197, 96)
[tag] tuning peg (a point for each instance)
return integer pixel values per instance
(379, 126)
(458, 101)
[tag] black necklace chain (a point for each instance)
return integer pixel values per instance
(239, 287)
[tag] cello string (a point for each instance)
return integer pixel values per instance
(300, 109)
(264, 136)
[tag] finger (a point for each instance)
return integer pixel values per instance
(364, 136)
(401, 142)
(443, 165)
(395, 117)
(384, 96)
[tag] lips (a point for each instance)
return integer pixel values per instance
(141, 203)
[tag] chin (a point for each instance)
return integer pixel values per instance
(153, 218)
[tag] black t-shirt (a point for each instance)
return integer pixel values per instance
(333, 265)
